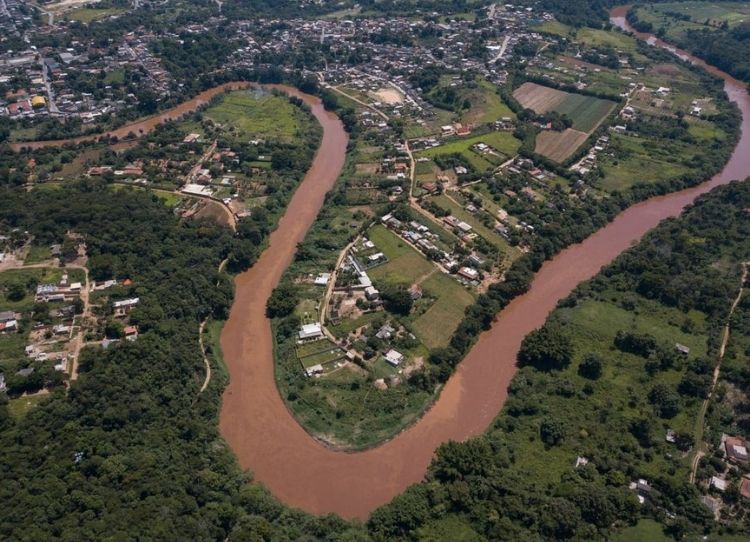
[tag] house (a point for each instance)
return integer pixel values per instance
(468, 273)
(62, 364)
(682, 349)
(718, 483)
(7, 316)
(314, 370)
(371, 293)
(10, 325)
(385, 332)
(394, 358)
(374, 258)
(581, 461)
(322, 279)
(2, 382)
(25, 372)
(310, 331)
(744, 484)
(130, 333)
(736, 449)
(124, 306)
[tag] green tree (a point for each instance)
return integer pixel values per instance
(546, 349)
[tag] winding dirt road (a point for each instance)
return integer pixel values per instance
(302, 472)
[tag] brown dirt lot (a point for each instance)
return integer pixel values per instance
(540, 99)
(558, 146)
(367, 168)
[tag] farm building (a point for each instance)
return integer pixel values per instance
(310, 331)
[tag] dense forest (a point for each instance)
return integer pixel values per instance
(132, 451)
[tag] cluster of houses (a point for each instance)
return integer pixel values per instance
(737, 459)
(49, 90)
(587, 164)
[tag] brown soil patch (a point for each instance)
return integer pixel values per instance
(558, 146)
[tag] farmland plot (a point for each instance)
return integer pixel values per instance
(586, 112)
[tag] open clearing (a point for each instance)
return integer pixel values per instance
(256, 113)
(405, 264)
(503, 143)
(389, 96)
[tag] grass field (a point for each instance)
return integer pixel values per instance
(88, 15)
(643, 161)
(586, 112)
(435, 327)
(553, 27)
(36, 254)
(18, 407)
(620, 391)
(405, 265)
(256, 113)
(486, 105)
(716, 13)
(648, 530)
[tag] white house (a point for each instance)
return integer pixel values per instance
(310, 331)
(394, 358)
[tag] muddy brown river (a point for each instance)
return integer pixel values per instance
(306, 474)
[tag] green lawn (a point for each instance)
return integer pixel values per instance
(18, 407)
(436, 326)
(88, 15)
(37, 253)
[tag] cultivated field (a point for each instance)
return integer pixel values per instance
(558, 146)
(586, 112)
